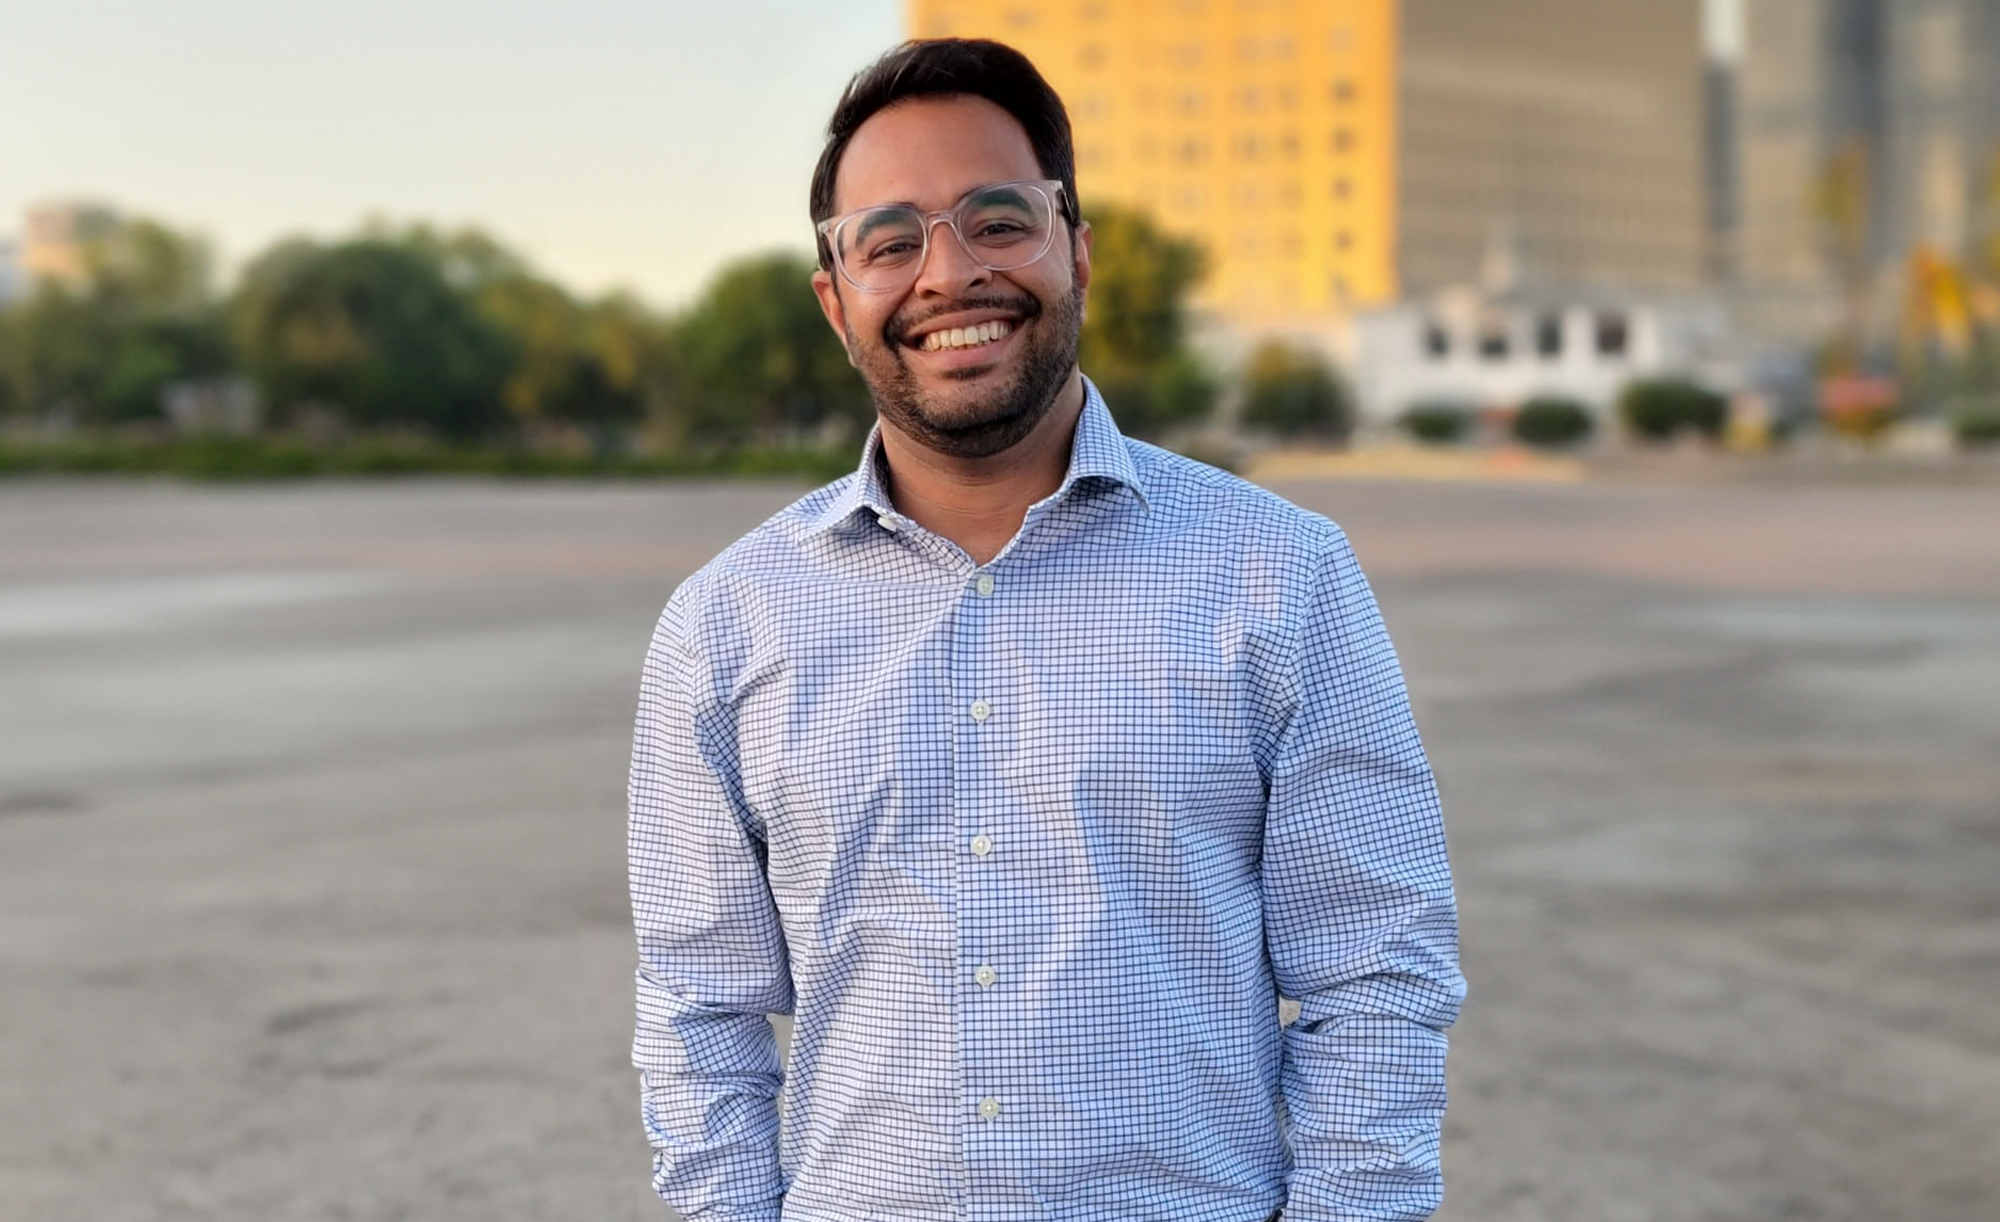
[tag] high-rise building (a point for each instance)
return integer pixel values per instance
(1868, 129)
(1337, 154)
(56, 242)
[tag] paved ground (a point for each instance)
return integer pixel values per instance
(311, 894)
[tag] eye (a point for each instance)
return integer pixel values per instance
(893, 248)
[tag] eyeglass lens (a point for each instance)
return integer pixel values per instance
(1004, 226)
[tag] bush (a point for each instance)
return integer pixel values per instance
(279, 457)
(1437, 423)
(1977, 425)
(1659, 408)
(1551, 423)
(1293, 391)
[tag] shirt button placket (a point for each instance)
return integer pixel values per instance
(985, 975)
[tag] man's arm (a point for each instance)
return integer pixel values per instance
(712, 959)
(1360, 919)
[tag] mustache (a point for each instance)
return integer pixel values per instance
(898, 329)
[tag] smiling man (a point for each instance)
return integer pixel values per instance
(1026, 767)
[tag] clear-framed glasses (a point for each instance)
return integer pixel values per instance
(1002, 226)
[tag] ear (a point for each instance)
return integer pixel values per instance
(1085, 237)
(830, 305)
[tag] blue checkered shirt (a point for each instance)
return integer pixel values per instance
(1030, 850)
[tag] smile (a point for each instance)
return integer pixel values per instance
(974, 336)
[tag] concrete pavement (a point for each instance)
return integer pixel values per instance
(311, 890)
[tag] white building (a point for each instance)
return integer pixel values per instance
(1496, 350)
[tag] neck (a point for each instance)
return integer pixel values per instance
(979, 503)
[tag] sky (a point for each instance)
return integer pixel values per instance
(617, 143)
(633, 144)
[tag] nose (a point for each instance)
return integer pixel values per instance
(949, 268)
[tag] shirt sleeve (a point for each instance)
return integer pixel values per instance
(712, 958)
(1360, 918)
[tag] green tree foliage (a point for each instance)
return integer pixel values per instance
(1657, 409)
(1294, 392)
(1135, 335)
(374, 331)
(102, 348)
(755, 360)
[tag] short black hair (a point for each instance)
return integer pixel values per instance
(943, 68)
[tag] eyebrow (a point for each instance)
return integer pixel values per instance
(872, 218)
(1008, 187)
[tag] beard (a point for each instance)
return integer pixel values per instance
(986, 420)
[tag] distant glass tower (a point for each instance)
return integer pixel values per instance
(1867, 129)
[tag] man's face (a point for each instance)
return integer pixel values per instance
(969, 402)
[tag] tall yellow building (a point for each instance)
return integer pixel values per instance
(1337, 154)
(1265, 128)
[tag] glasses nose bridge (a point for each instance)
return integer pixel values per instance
(947, 217)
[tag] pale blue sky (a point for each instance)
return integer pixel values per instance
(617, 142)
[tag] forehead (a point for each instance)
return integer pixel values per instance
(930, 151)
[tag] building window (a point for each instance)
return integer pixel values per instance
(1343, 188)
(1189, 102)
(1343, 140)
(1288, 145)
(1341, 290)
(1343, 240)
(1549, 336)
(1091, 56)
(1494, 342)
(1437, 341)
(1343, 91)
(1614, 334)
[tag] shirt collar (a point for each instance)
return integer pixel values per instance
(1098, 452)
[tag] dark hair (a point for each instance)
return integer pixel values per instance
(943, 68)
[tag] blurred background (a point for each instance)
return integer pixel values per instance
(371, 373)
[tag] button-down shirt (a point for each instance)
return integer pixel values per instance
(1030, 850)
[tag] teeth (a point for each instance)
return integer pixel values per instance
(967, 337)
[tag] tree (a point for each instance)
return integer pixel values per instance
(756, 360)
(1135, 335)
(373, 330)
(1294, 392)
(101, 348)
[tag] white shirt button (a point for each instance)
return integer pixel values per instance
(989, 1107)
(985, 976)
(981, 710)
(890, 523)
(982, 844)
(984, 585)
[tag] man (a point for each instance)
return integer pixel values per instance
(1026, 767)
